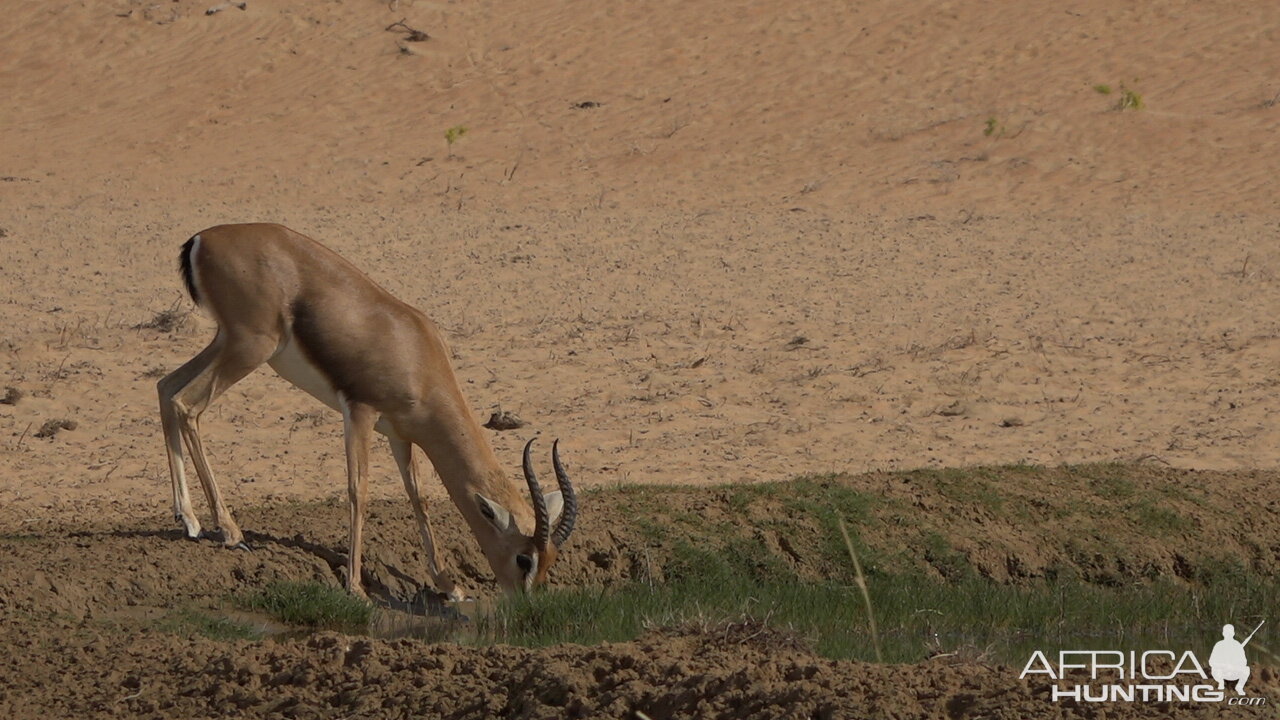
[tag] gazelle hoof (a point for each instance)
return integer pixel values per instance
(242, 545)
(356, 588)
(190, 527)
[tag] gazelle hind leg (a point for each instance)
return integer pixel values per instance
(229, 361)
(358, 420)
(402, 451)
(167, 387)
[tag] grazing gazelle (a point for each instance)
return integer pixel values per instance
(283, 299)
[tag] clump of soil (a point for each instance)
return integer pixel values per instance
(504, 420)
(53, 427)
(11, 396)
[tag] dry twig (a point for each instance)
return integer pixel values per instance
(411, 34)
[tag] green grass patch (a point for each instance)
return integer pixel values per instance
(918, 617)
(802, 513)
(968, 486)
(189, 623)
(984, 562)
(950, 563)
(1159, 519)
(310, 604)
(772, 552)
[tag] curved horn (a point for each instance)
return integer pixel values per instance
(541, 524)
(570, 513)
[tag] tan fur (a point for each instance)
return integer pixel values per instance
(266, 285)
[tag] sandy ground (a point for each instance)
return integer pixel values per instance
(783, 241)
(700, 242)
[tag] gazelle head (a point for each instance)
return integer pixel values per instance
(520, 562)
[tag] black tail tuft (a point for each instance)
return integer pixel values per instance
(184, 262)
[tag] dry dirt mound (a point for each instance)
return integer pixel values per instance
(79, 605)
(736, 672)
(77, 602)
(1103, 524)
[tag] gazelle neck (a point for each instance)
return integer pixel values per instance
(455, 443)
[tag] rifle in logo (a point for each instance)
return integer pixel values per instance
(1227, 662)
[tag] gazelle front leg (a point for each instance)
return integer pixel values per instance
(402, 451)
(358, 420)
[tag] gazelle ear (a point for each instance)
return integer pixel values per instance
(555, 506)
(493, 512)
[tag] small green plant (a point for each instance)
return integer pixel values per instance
(311, 604)
(994, 128)
(454, 134)
(1129, 99)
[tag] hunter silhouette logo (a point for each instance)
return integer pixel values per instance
(1227, 661)
(1094, 676)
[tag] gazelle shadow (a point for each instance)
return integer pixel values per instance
(424, 602)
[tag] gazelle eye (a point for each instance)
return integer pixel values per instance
(524, 562)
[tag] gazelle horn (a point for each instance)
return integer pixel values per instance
(541, 524)
(570, 513)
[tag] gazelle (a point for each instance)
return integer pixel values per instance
(284, 299)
